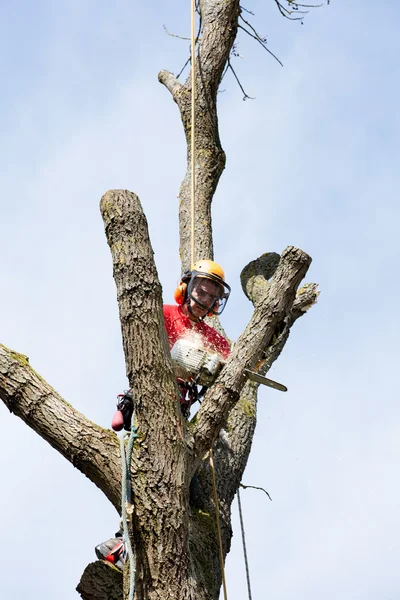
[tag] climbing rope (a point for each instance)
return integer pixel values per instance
(193, 122)
(244, 545)
(126, 502)
(192, 194)
(221, 555)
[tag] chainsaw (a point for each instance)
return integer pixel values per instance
(192, 362)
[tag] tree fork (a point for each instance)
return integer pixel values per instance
(175, 543)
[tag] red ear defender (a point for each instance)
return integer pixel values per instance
(180, 293)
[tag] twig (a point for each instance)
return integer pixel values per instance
(224, 73)
(197, 40)
(245, 10)
(260, 41)
(284, 10)
(183, 68)
(254, 487)
(306, 5)
(245, 96)
(174, 35)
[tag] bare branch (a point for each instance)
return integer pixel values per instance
(245, 96)
(288, 13)
(183, 68)
(246, 10)
(293, 3)
(176, 36)
(254, 487)
(260, 41)
(218, 32)
(196, 41)
(171, 83)
(28, 396)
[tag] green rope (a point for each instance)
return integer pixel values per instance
(244, 545)
(126, 501)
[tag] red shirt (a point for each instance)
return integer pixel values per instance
(178, 325)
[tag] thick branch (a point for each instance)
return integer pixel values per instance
(91, 449)
(159, 461)
(250, 347)
(101, 581)
(219, 27)
(171, 83)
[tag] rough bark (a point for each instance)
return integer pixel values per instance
(175, 542)
(101, 581)
(90, 448)
(169, 546)
(219, 29)
(159, 462)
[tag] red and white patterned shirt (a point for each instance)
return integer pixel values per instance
(179, 326)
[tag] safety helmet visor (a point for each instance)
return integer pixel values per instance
(208, 292)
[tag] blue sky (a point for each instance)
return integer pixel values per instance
(311, 162)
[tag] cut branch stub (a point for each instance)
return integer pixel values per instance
(254, 277)
(101, 581)
(250, 347)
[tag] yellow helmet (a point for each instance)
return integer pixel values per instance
(190, 287)
(209, 268)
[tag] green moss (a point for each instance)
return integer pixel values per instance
(204, 517)
(21, 358)
(193, 422)
(247, 407)
(205, 526)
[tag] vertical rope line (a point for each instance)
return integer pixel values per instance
(244, 545)
(192, 193)
(125, 501)
(221, 555)
(193, 119)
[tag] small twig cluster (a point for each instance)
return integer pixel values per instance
(295, 8)
(290, 9)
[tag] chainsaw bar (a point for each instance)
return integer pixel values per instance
(265, 381)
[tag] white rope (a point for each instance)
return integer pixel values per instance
(192, 194)
(244, 545)
(221, 554)
(126, 504)
(193, 124)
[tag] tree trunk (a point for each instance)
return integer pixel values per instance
(174, 538)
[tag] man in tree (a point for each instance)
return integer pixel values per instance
(202, 291)
(177, 554)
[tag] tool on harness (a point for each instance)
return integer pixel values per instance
(189, 394)
(123, 415)
(113, 550)
(193, 363)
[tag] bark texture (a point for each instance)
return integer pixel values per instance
(219, 28)
(173, 524)
(175, 544)
(101, 581)
(90, 448)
